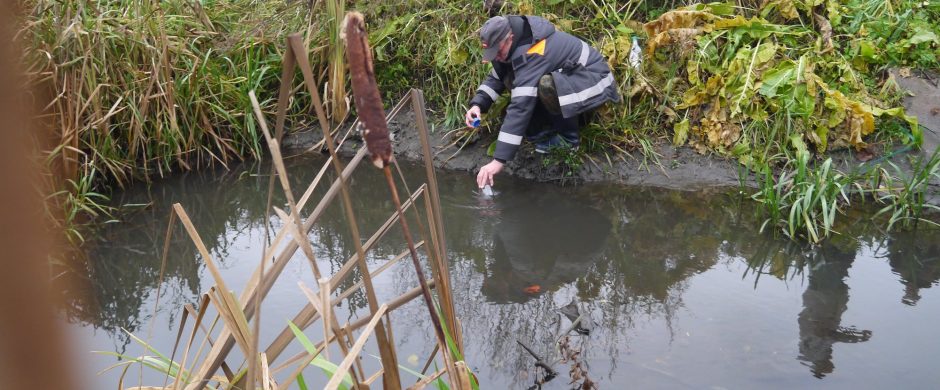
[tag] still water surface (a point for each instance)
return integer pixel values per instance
(683, 289)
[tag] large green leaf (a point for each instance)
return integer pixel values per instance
(801, 102)
(923, 34)
(781, 75)
(716, 8)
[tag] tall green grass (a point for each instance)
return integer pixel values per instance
(905, 194)
(804, 201)
(139, 89)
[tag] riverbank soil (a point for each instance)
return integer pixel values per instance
(923, 101)
(681, 168)
(673, 168)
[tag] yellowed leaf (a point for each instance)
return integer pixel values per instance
(677, 19)
(682, 36)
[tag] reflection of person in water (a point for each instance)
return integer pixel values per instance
(915, 257)
(541, 242)
(824, 301)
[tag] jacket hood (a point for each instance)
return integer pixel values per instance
(541, 28)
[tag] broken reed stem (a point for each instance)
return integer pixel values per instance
(166, 253)
(326, 311)
(192, 337)
(356, 349)
(278, 164)
(228, 307)
(307, 315)
(426, 291)
(300, 368)
(444, 291)
(422, 383)
(349, 327)
(176, 343)
(277, 169)
(294, 217)
(427, 364)
(287, 72)
(258, 288)
(207, 340)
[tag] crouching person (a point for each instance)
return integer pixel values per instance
(551, 75)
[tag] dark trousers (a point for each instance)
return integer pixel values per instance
(545, 124)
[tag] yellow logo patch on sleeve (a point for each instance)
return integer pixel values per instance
(537, 48)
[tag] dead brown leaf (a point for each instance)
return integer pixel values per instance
(825, 31)
(684, 37)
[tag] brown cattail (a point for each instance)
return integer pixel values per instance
(366, 91)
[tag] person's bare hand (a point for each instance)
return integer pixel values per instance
(487, 172)
(472, 113)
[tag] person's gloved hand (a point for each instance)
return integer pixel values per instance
(472, 113)
(487, 172)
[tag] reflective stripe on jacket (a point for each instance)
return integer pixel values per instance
(582, 79)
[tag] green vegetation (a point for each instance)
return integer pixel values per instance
(328, 367)
(906, 196)
(138, 89)
(134, 89)
(804, 201)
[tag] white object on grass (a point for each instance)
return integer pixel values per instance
(636, 54)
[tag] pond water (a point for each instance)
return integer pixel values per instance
(682, 288)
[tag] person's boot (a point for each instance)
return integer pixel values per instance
(565, 134)
(556, 141)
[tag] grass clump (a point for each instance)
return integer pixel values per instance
(803, 202)
(138, 89)
(905, 194)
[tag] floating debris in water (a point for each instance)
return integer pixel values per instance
(533, 289)
(581, 321)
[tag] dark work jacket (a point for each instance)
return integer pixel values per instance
(582, 79)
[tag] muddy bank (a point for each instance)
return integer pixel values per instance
(677, 168)
(681, 168)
